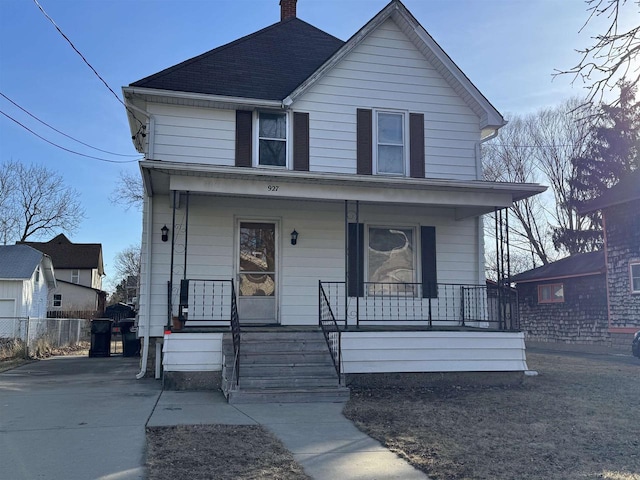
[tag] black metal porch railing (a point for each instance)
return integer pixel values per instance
(235, 333)
(445, 304)
(206, 302)
(330, 329)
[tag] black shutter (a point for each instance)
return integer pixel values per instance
(301, 141)
(243, 138)
(416, 145)
(355, 253)
(429, 269)
(364, 138)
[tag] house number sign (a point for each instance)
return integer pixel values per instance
(273, 188)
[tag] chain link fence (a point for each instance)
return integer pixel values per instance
(27, 337)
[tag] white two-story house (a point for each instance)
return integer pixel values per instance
(298, 181)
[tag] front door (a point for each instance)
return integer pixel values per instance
(256, 267)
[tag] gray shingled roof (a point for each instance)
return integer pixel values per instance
(65, 254)
(580, 264)
(18, 262)
(268, 64)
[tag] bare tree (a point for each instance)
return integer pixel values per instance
(127, 262)
(38, 202)
(509, 159)
(612, 55)
(8, 215)
(539, 147)
(129, 191)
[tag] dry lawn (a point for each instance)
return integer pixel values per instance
(223, 452)
(579, 419)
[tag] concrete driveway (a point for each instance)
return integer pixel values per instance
(75, 418)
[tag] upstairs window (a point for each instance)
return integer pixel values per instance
(75, 276)
(272, 139)
(551, 293)
(635, 277)
(390, 139)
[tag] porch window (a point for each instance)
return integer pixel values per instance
(390, 138)
(57, 300)
(272, 139)
(391, 260)
(75, 276)
(635, 277)
(551, 293)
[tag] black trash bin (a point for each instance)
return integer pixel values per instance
(130, 340)
(100, 337)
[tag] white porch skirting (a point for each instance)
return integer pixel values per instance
(411, 351)
(192, 352)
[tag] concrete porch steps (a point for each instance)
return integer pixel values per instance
(282, 367)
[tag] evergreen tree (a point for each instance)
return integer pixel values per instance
(612, 154)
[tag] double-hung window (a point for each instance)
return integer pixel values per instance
(390, 143)
(272, 139)
(635, 277)
(75, 276)
(57, 300)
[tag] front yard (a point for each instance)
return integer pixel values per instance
(579, 419)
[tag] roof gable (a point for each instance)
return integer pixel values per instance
(268, 64)
(67, 255)
(590, 263)
(490, 118)
(18, 262)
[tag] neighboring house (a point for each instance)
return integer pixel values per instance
(79, 272)
(590, 297)
(620, 209)
(26, 275)
(298, 180)
(565, 301)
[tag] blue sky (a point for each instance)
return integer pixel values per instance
(508, 48)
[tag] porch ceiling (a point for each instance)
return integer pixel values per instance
(468, 197)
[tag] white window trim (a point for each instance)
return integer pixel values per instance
(405, 139)
(417, 244)
(78, 277)
(633, 263)
(256, 140)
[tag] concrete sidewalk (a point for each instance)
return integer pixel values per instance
(322, 440)
(75, 418)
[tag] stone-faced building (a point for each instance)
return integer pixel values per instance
(592, 297)
(620, 208)
(565, 301)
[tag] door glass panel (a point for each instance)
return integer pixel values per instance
(257, 259)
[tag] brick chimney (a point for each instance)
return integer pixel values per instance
(287, 9)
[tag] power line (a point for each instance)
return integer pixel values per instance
(85, 60)
(63, 148)
(62, 133)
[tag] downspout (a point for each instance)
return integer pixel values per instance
(147, 317)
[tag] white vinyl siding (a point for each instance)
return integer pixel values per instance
(378, 352)
(192, 352)
(193, 135)
(319, 254)
(387, 72)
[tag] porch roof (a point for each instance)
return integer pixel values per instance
(469, 198)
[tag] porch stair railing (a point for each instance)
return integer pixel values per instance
(235, 334)
(331, 331)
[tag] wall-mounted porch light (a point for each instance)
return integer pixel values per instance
(165, 233)
(294, 237)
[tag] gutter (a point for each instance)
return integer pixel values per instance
(147, 317)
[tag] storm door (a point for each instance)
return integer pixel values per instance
(256, 267)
